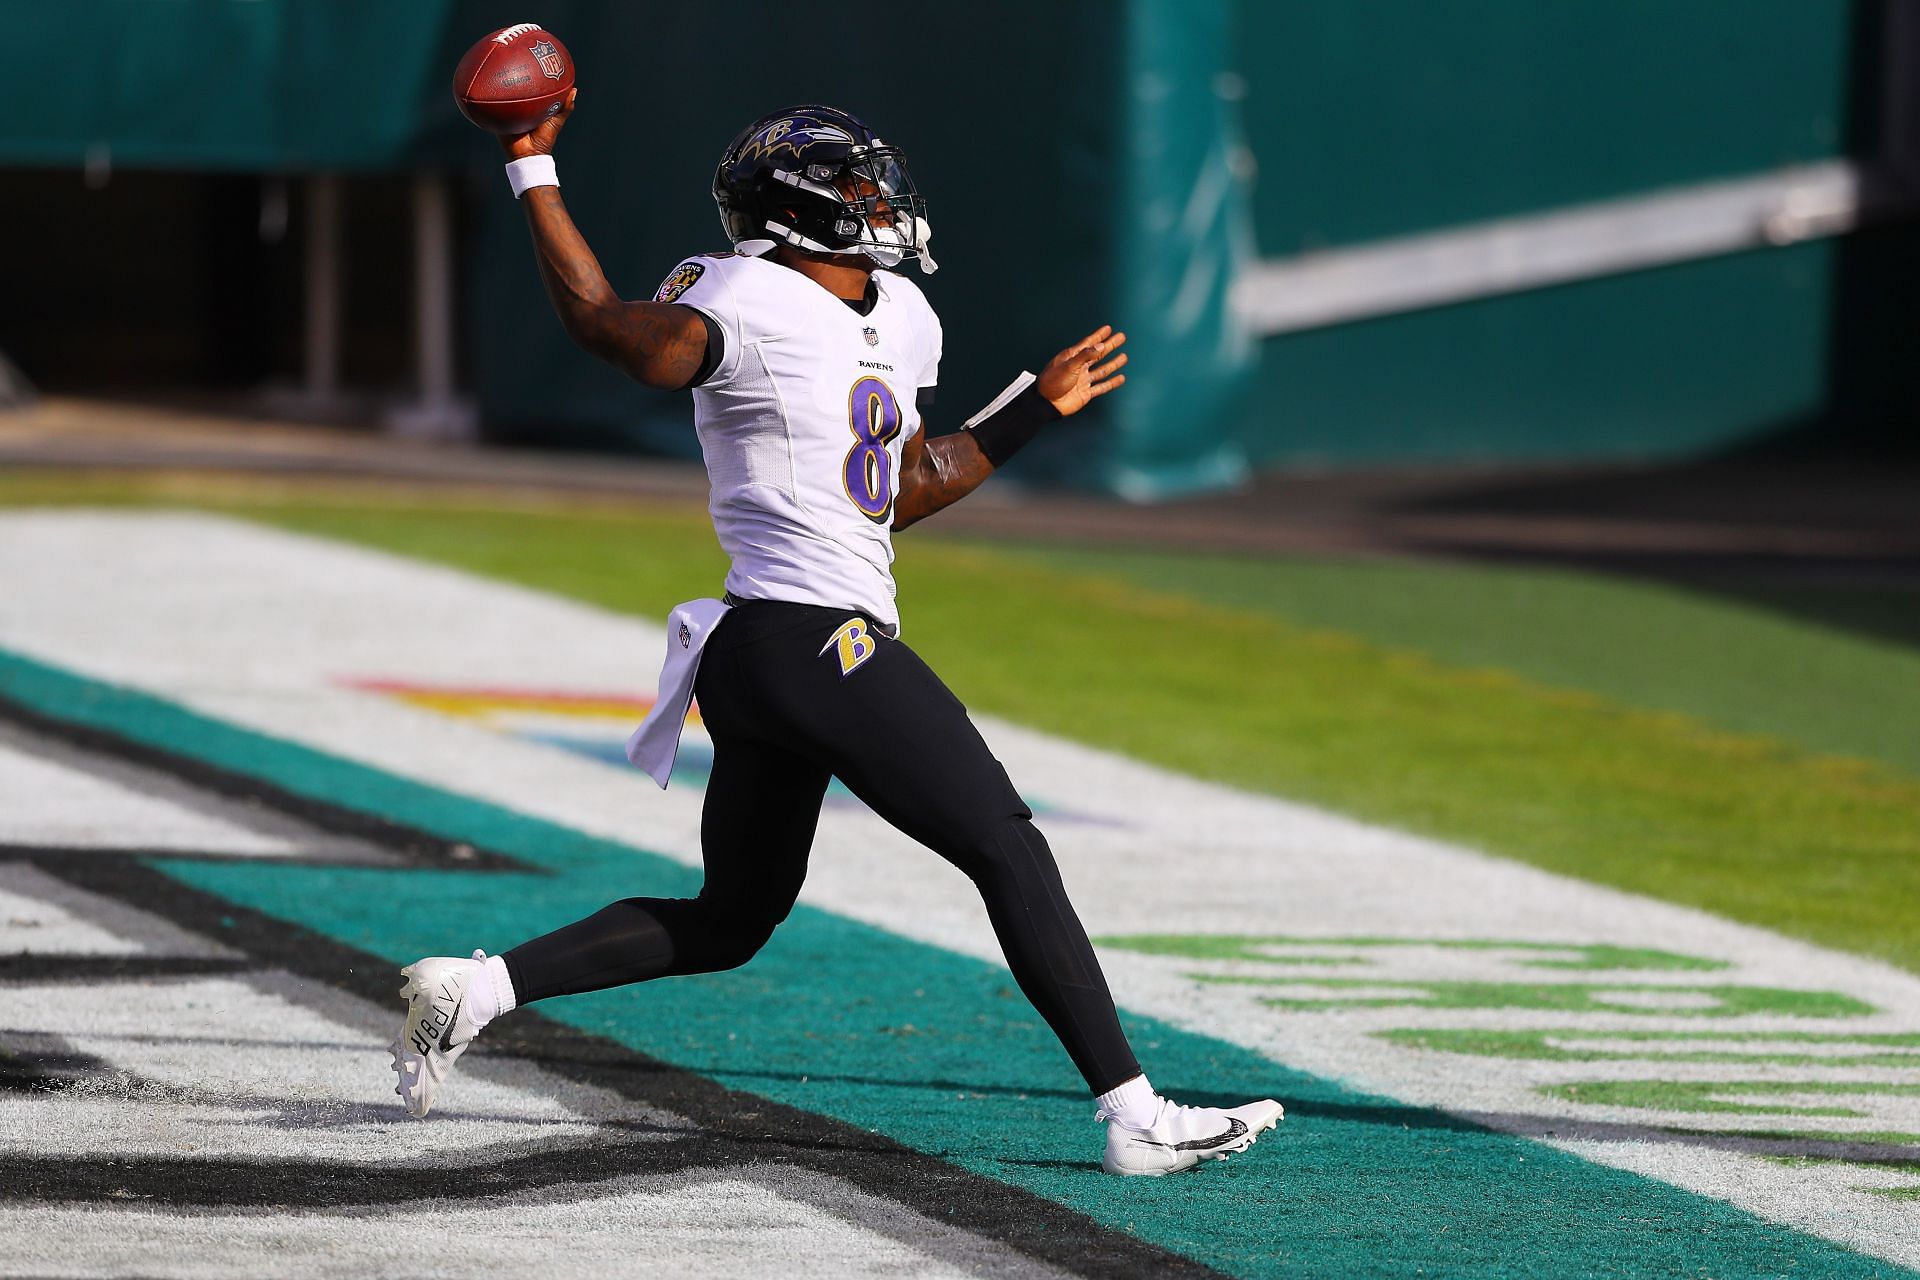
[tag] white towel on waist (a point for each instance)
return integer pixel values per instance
(656, 743)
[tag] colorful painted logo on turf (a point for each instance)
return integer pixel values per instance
(549, 58)
(683, 278)
(852, 644)
(594, 726)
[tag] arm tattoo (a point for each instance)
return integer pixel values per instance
(937, 474)
(653, 343)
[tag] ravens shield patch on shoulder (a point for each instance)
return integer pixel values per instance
(682, 279)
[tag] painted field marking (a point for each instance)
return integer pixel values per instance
(249, 1064)
(702, 1224)
(44, 802)
(595, 726)
(168, 1105)
(1253, 867)
(53, 796)
(1357, 1149)
(1607, 1020)
(42, 915)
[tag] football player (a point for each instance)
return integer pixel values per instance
(809, 357)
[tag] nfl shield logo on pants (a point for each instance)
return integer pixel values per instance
(550, 61)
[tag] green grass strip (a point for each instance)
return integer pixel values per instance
(1899, 1195)
(1822, 848)
(1715, 1096)
(1269, 949)
(1744, 656)
(1573, 1044)
(1892, 1137)
(938, 1051)
(1719, 1001)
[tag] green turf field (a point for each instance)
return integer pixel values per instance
(1691, 747)
(1842, 688)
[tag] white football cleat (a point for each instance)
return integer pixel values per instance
(438, 1028)
(1181, 1137)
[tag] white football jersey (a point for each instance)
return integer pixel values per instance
(802, 423)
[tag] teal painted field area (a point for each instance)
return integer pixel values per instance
(1358, 1185)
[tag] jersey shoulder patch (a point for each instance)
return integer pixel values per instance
(684, 277)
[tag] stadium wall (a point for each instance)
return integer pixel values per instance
(1371, 122)
(1138, 163)
(1014, 140)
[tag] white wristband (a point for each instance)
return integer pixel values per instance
(531, 171)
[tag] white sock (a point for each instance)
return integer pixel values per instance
(1133, 1104)
(490, 993)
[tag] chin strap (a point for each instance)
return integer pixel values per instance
(922, 234)
(787, 235)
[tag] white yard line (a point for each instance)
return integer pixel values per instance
(685, 1225)
(218, 1067)
(41, 915)
(45, 802)
(267, 630)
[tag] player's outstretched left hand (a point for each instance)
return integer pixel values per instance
(1081, 372)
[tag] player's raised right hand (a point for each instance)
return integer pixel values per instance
(1073, 378)
(539, 142)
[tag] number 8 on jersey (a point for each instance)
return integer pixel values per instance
(874, 417)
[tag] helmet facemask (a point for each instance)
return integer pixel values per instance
(875, 210)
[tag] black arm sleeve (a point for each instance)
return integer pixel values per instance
(716, 350)
(1008, 431)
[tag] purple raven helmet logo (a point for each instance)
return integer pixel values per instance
(793, 133)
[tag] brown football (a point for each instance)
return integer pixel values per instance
(513, 79)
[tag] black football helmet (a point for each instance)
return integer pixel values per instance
(817, 178)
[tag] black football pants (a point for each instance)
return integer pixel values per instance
(794, 694)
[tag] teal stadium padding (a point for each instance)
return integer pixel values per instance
(1010, 115)
(1087, 160)
(1186, 232)
(223, 85)
(1400, 116)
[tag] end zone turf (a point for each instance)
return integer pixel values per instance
(885, 1011)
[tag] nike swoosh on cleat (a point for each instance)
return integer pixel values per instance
(1235, 1129)
(446, 1037)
